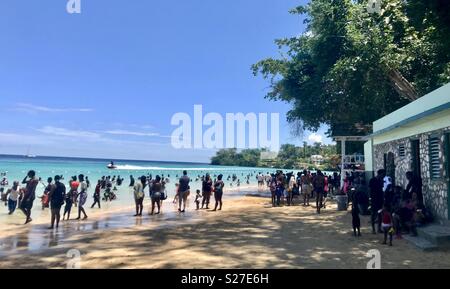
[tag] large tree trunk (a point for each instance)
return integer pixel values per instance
(403, 87)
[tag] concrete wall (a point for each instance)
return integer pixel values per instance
(435, 191)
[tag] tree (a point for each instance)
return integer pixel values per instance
(350, 67)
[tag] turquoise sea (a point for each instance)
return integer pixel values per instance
(16, 168)
(115, 214)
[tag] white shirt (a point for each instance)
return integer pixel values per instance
(83, 186)
(138, 190)
(14, 194)
(291, 182)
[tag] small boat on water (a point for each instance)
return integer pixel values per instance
(30, 156)
(111, 166)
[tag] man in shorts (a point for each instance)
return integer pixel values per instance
(183, 191)
(30, 194)
(306, 187)
(56, 196)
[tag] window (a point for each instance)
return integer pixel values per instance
(401, 151)
(435, 163)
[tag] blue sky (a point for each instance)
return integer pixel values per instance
(106, 82)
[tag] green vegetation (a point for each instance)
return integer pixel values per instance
(289, 157)
(351, 67)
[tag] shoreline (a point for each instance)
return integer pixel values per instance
(14, 224)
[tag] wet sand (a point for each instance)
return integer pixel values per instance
(248, 233)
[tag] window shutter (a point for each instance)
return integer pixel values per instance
(401, 151)
(435, 168)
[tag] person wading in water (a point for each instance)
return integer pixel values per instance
(139, 195)
(29, 195)
(56, 197)
(183, 191)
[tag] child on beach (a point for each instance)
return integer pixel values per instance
(356, 221)
(198, 197)
(13, 195)
(45, 197)
(386, 219)
(175, 198)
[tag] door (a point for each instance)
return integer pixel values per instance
(390, 166)
(415, 155)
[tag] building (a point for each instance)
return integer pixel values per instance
(416, 138)
(317, 160)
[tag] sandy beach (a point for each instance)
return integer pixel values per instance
(248, 233)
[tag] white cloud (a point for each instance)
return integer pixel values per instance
(15, 139)
(57, 131)
(133, 133)
(31, 108)
(314, 137)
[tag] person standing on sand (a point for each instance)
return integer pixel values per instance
(45, 200)
(279, 187)
(69, 202)
(291, 186)
(376, 198)
(326, 189)
(319, 184)
(74, 184)
(306, 187)
(183, 191)
(218, 192)
(155, 194)
(206, 191)
(82, 197)
(97, 191)
(139, 195)
(29, 195)
(198, 196)
(56, 197)
(356, 220)
(273, 190)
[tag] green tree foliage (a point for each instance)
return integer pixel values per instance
(231, 157)
(289, 156)
(351, 67)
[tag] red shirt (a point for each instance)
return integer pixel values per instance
(74, 185)
(387, 218)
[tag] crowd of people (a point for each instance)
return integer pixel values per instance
(286, 187)
(57, 195)
(394, 210)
